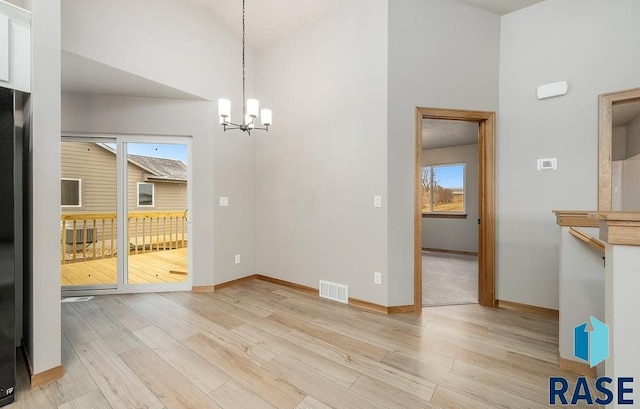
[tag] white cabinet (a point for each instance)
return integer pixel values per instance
(15, 47)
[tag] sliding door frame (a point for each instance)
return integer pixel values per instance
(96, 288)
(123, 209)
(122, 286)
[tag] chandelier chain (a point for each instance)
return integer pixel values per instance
(243, 64)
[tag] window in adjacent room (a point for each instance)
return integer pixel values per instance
(443, 189)
(146, 194)
(71, 192)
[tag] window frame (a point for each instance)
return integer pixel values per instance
(447, 213)
(153, 194)
(79, 193)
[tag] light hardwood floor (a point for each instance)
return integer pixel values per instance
(260, 345)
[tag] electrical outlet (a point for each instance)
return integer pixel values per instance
(377, 201)
(237, 258)
(377, 278)
(224, 201)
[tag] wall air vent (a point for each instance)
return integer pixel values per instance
(335, 292)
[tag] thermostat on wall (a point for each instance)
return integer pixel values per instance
(548, 164)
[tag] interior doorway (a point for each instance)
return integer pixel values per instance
(485, 122)
(619, 150)
(124, 216)
(449, 212)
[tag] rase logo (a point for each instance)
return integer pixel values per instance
(593, 348)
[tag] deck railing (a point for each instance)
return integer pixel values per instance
(93, 236)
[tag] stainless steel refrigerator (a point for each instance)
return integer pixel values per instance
(8, 247)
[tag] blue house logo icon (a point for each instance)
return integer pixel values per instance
(591, 346)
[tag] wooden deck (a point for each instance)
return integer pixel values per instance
(147, 268)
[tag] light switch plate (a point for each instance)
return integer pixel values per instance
(548, 164)
(224, 201)
(237, 259)
(377, 201)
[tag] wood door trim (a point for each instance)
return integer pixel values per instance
(532, 309)
(605, 136)
(487, 200)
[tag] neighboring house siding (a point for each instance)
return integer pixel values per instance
(173, 196)
(168, 196)
(96, 167)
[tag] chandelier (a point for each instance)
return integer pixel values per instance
(250, 107)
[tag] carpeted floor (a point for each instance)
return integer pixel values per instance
(449, 279)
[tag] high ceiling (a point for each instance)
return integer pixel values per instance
(268, 21)
(83, 76)
(443, 133)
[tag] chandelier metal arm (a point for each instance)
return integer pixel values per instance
(230, 126)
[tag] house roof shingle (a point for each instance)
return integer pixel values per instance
(161, 168)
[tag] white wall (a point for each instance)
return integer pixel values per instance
(441, 54)
(586, 43)
(171, 42)
(42, 275)
(325, 157)
(448, 233)
(632, 137)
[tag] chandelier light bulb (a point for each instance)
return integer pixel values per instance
(253, 107)
(265, 116)
(224, 109)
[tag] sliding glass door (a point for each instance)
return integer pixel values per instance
(124, 218)
(88, 219)
(157, 215)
